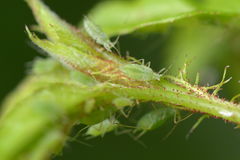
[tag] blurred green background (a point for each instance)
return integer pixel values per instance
(213, 139)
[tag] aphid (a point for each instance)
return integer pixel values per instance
(139, 72)
(100, 129)
(98, 35)
(89, 106)
(122, 102)
(45, 66)
(154, 119)
(82, 78)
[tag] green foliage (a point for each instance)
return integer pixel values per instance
(82, 81)
(124, 17)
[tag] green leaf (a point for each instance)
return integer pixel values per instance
(122, 17)
(67, 55)
(55, 28)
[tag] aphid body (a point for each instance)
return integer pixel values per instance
(155, 118)
(97, 34)
(100, 129)
(121, 102)
(139, 72)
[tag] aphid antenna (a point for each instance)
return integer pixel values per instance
(126, 126)
(198, 122)
(161, 70)
(132, 59)
(165, 70)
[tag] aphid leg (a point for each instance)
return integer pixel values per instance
(235, 98)
(118, 133)
(126, 114)
(140, 134)
(73, 139)
(127, 126)
(36, 28)
(176, 120)
(196, 125)
(183, 119)
(177, 117)
(80, 131)
(123, 113)
(116, 41)
(125, 131)
(119, 49)
(148, 64)
(90, 137)
(170, 132)
(110, 45)
(137, 140)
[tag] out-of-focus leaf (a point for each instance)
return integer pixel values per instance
(198, 45)
(122, 17)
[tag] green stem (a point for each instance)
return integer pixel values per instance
(37, 125)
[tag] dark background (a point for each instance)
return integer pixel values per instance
(213, 139)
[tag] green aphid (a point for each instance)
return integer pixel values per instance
(42, 66)
(154, 119)
(97, 34)
(139, 72)
(100, 129)
(121, 102)
(82, 78)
